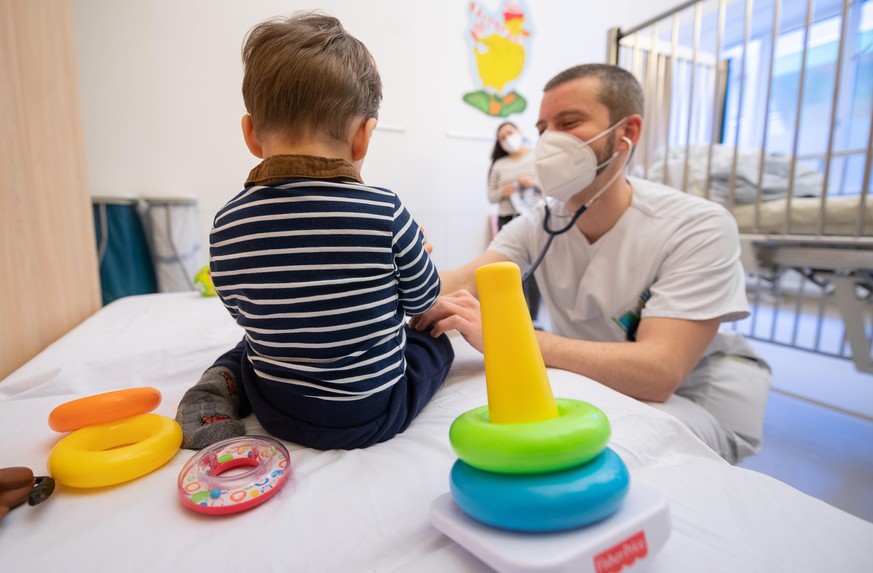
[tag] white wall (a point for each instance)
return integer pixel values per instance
(160, 84)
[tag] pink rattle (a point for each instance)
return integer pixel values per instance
(204, 488)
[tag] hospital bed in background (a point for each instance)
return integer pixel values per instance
(362, 510)
(766, 106)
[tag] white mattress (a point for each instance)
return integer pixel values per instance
(841, 216)
(841, 211)
(364, 510)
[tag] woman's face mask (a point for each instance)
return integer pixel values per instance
(511, 143)
(565, 164)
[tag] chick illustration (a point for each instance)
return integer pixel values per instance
(500, 62)
(499, 47)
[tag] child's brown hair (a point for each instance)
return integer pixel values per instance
(305, 75)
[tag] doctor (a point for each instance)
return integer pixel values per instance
(637, 277)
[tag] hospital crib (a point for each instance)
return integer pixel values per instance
(766, 106)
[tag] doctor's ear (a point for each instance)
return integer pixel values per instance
(632, 130)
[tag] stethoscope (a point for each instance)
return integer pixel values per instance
(552, 233)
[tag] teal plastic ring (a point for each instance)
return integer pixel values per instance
(578, 434)
(543, 502)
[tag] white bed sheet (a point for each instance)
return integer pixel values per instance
(363, 510)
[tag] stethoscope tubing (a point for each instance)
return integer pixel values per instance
(552, 233)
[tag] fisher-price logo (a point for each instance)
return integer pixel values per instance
(622, 554)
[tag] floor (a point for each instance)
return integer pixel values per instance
(818, 433)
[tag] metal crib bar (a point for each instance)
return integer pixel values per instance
(756, 306)
(822, 307)
(663, 102)
(822, 211)
(759, 194)
(732, 185)
(786, 223)
(865, 186)
(798, 311)
(669, 69)
(652, 99)
(777, 296)
(639, 155)
(637, 60)
(638, 73)
(695, 45)
(715, 100)
(613, 46)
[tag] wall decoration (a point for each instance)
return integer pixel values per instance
(499, 44)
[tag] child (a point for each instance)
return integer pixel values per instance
(319, 269)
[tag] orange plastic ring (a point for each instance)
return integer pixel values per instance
(101, 408)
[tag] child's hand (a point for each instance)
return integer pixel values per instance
(428, 248)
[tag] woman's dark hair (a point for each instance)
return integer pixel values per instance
(498, 152)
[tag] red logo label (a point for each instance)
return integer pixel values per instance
(622, 555)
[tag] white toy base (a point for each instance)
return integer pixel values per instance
(624, 542)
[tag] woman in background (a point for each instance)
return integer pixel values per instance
(512, 184)
(512, 180)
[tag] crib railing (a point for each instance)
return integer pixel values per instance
(730, 73)
(739, 91)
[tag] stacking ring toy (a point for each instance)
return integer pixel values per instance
(542, 502)
(203, 488)
(115, 452)
(578, 434)
(102, 408)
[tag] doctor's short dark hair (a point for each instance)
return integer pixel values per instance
(305, 75)
(620, 91)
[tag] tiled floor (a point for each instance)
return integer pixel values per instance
(826, 452)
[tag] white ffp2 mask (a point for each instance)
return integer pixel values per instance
(511, 143)
(565, 164)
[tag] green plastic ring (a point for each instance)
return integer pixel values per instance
(577, 435)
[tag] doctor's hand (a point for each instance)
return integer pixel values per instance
(459, 311)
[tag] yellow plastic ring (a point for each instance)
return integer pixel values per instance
(115, 452)
(577, 435)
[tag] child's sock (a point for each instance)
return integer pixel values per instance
(209, 412)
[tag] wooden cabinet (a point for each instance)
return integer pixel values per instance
(48, 263)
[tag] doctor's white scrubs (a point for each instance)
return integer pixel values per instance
(670, 255)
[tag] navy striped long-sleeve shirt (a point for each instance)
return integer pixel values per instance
(321, 274)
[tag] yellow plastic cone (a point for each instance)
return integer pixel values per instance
(518, 386)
